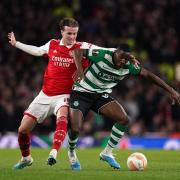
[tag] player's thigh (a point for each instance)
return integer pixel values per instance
(81, 101)
(40, 108)
(76, 119)
(113, 110)
(60, 105)
(38, 111)
(80, 104)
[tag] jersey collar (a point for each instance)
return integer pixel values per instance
(62, 44)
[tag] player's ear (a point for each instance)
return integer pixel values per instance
(62, 32)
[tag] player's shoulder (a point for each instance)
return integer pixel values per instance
(78, 43)
(83, 45)
(55, 41)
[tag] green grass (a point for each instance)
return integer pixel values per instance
(161, 165)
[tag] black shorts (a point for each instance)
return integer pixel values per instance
(85, 101)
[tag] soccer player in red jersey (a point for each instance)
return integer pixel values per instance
(57, 85)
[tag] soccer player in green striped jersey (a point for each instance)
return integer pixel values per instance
(107, 68)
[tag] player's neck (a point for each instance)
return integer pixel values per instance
(62, 42)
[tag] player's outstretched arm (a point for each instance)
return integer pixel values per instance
(79, 74)
(174, 95)
(33, 50)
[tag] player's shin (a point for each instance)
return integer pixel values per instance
(72, 139)
(24, 144)
(116, 134)
(59, 136)
(60, 132)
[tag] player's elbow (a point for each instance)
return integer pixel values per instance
(38, 53)
(145, 73)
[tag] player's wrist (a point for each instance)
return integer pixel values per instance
(80, 68)
(15, 43)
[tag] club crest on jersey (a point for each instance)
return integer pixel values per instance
(71, 53)
(76, 103)
(105, 96)
(55, 51)
(95, 52)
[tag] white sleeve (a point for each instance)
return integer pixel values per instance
(45, 47)
(86, 45)
(33, 50)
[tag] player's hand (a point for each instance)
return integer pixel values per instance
(175, 97)
(12, 39)
(128, 56)
(78, 75)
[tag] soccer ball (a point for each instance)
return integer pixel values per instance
(137, 162)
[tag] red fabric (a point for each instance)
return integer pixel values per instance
(24, 144)
(60, 133)
(30, 115)
(85, 62)
(61, 67)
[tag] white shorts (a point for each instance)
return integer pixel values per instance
(43, 106)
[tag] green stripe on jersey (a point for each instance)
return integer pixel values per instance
(90, 83)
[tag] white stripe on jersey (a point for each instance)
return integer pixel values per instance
(98, 83)
(108, 57)
(118, 72)
(86, 86)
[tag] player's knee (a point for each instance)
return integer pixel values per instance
(124, 120)
(75, 128)
(75, 124)
(27, 124)
(23, 130)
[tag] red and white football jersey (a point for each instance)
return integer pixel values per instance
(61, 67)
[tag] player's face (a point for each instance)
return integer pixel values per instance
(118, 60)
(69, 35)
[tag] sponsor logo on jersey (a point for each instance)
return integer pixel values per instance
(110, 77)
(62, 61)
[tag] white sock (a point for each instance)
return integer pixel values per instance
(108, 149)
(27, 158)
(53, 153)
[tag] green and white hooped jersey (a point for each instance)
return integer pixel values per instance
(101, 75)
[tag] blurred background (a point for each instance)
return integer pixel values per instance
(149, 29)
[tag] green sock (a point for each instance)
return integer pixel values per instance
(72, 139)
(116, 134)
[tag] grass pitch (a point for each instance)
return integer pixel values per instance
(161, 165)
